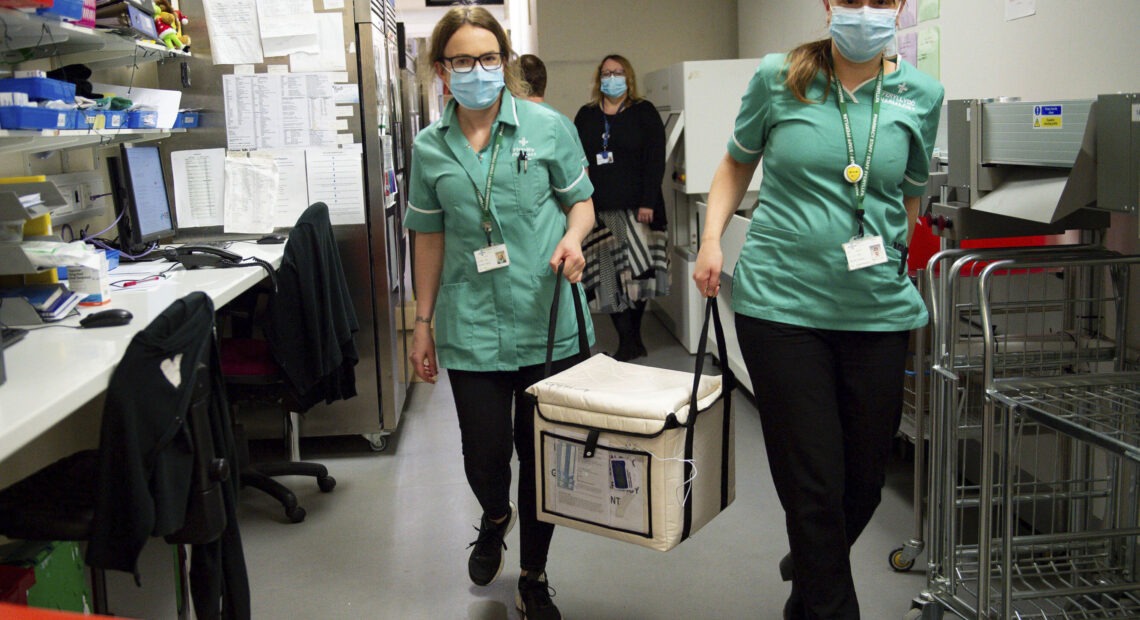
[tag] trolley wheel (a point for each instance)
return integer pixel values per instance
(925, 608)
(326, 484)
(296, 514)
(899, 563)
(377, 441)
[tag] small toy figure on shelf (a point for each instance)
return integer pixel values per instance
(169, 22)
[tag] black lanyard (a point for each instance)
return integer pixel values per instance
(853, 173)
(485, 198)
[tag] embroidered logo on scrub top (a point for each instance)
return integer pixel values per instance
(523, 146)
(898, 100)
(172, 370)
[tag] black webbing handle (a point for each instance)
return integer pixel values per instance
(712, 311)
(583, 343)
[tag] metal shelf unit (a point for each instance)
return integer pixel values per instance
(27, 36)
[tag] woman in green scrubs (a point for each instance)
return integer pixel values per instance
(822, 300)
(499, 199)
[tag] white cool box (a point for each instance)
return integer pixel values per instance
(622, 454)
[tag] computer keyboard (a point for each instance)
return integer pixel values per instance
(11, 335)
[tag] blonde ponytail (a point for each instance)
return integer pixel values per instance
(804, 63)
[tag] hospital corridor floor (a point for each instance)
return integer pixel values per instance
(391, 541)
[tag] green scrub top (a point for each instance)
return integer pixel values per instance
(792, 268)
(497, 320)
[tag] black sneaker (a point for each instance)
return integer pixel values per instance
(486, 561)
(533, 599)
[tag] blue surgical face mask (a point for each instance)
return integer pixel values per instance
(892, 48)
(860, 34)
(477, 89)
(613, 86)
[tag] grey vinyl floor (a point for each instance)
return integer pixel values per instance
(391, 540)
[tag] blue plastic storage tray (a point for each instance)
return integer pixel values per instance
(186, 119)
(85, 119)
(39, 89)
(69, 9)
(142, 119)
(114, 119)
(20, 117)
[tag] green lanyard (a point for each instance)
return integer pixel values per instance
(853, 173)
(485, 198)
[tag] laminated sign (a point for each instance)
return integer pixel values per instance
(610, 489)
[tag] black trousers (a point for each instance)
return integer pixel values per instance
(830, 404)
(484, 401)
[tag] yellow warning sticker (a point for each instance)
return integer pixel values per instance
(1048, 117)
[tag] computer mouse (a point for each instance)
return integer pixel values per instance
(273, 238)
(106, 318)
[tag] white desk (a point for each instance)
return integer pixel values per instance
(54, 371)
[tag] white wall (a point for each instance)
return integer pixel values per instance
(419, 19)
(1070, 49)
(573, 36)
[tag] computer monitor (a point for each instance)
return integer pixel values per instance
(141, 202)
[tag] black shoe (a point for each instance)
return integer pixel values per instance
(639, 348)
(486, 561)
(625, 352)
(533, 599)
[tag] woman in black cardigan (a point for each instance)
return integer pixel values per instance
(627, 262)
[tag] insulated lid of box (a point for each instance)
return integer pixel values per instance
(636, 398)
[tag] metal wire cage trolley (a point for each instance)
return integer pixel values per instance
(1033, 481)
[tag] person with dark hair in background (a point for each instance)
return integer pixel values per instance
(823, 304)
(627, 262)
(534, 74)
(499, 200)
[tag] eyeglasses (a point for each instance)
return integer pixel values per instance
(466, 64)
(609, 74)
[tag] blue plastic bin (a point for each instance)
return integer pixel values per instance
(142, 119)
(86, 119)
(112, 259)
(20, 117)
(40, 89)
(186, 119)
(67, 9)
(114, 119)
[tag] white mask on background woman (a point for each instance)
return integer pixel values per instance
(860, 34)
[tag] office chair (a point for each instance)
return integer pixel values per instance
(307, 355)
(161, 469)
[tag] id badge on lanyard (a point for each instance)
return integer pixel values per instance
(861, 251)
(493, 255)
(606, 156)
(864, 252)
